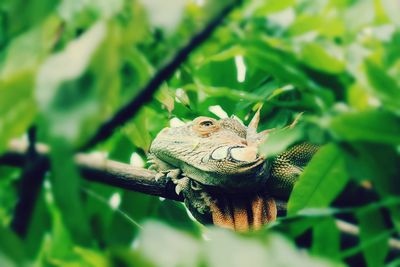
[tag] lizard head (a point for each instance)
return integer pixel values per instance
(220, 153)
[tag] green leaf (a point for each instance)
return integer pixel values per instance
(354, 19)
(279, 140)
(126, 224)
(17, 107)
(269, 58)
(11, 249)
(318, 57)
(39, 226)
(65, 181)
(384, 86)
(374, 126)
(372, 225)
(391, 7)
(92, 257)
(181, 249)
(273, 6)
(176, 215)
(326, 238)
(27, 51)
(137, 131)
(321, 181)
(59, 93)
(219, 73)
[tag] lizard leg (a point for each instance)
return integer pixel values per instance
(163, 169)
(287, 167)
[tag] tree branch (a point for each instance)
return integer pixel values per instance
(95, 167)
(32, 176)
(127, 111)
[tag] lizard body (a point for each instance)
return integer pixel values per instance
(216, 166)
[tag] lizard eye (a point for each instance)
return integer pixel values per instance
(206, 123)
(204, 126)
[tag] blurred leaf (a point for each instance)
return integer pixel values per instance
(165, 96)
(359, 13)
(11, 249)
(92, 257)
(219, 73)
(135, 207)
(128, 258)
(26, 52)
(275, 250)
(383, 85)
(223, 92)
(381, 167)
(65, 183)
(137, 131)
(391, 6)
(374, 126)
(60, 101)
(319, 58)
(22, 15)
(38, 227)
(137, 72)
(163, 14)
(273, 6)
(372, 224)
(270, 58)
(173, 248)
(17, 107)
(220, 249)
(175, 214)
(104, 9)
(279, 140)
(8, 193)
(326, 239)
(321, 181)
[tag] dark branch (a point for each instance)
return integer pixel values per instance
(32, 176)
(127, 111)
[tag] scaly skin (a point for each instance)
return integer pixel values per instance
(224, 181)
(287, 167)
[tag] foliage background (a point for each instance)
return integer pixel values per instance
(67, 66)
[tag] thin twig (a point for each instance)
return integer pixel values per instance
(129, 110)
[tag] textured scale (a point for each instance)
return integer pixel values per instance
(287, 167)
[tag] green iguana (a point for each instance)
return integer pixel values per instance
(216, 166)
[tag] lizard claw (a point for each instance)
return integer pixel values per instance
(159, 175)
(152, 167)
(181, 185)
(178, 189)
(174, 174)
(195, 185)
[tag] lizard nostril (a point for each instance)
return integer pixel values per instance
(244, 142)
